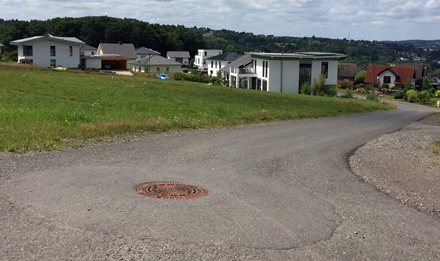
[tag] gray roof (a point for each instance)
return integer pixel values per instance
(240, 62)
(88, 48)
(1, 45)
(68, 40)
(123, 49)
(301, 55)
(154, 61)
(178, 54)
(146, 51)
(226, 57)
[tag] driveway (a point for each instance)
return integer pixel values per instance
(281, 191)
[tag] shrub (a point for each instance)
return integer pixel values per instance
(306, 88)
(332, 91)
(437, 94)
(423, 98)
(348, 93)
(346, 85)
(412, 96)
(372, 97)
(399, 95)
(385, 86)
(362, 85)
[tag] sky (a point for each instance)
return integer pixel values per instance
(337, 19)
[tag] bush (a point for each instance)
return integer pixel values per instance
(412, 96)
(348, 93)
(385, 86)
(437, 94)
(372, 97)
(362, 85)
(315, 87)
(423, 98)
(332, 91)
(346, 85)
(399, 95)
(306, 88)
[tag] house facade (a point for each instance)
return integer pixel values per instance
(155, 64)
(49, 51)
(281, 72)
(391, 75)
(202, 55)
(116, 55)
(216, 63)
(181, 57)
(1, 45)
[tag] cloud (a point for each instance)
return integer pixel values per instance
(364, 19)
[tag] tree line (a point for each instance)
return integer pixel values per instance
(162, 38)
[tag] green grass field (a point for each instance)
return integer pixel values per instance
(42, 109)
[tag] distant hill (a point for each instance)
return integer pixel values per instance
(427, 44)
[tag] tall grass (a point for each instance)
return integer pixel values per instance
(42, 109)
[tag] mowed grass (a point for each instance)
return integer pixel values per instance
(42, 109)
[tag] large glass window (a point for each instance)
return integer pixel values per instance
(53, 62)
(305, 74)
(324, 69)
(70, 50)
(387, 79)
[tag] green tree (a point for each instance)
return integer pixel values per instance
(360, 77)
(230, 48)
(426, 84)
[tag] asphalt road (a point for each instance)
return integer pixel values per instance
(280, 191)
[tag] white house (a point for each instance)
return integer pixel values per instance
(155, 64)
(216, 63)
(281, 72)
(181, 57)
(202, 55)
(87, 50)
(49, 51)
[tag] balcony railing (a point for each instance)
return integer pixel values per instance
(247, 70)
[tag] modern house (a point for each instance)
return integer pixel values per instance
(181, 57)
(202, 55)
(143, 52)
(217, 62)
(49, 51)
(155, 64)
(281, 72)
(392, 75)
(116, 55)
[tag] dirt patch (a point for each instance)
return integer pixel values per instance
(404, 165)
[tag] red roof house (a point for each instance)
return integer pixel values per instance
(392, 75)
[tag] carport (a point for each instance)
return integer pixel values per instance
(114, 62)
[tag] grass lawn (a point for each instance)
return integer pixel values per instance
(42, 109)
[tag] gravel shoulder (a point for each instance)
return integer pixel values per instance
(404, 165)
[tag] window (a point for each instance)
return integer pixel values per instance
(158, 69)
(27, 50)
(206, 53)
(215, 64)
(305, 74)
(52, 50)
(324, 69)
(168, 69)
(219, 64)
(139, 69)
(93, 53)
(387, 79)
(53, 62)
(70, 50)
(212, 63)
(265, 68)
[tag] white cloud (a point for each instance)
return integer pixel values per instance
(364, 19)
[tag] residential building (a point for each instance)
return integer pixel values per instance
(116, 55)
(281, 72)
(155, 64)
(49, 51)
(87, 50)
(202, 55)
(392, 75)
(143, 52)
(181, 57)
(1, 45)
(348, 71)
(216, 63)
(420, 70)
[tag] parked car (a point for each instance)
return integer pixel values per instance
(162, 77)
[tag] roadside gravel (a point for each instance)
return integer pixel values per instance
(404, 165)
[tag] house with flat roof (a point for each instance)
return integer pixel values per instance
(202, 55)
(281, 72)
(49, 51)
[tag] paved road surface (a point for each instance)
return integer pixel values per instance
(280, 191)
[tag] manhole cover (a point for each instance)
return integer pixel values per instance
(171, 190)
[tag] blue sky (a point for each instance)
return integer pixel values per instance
(362, 19)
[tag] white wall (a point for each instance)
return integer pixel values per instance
(200, 58)
(93, 63)
(41, 54)
(153, 68)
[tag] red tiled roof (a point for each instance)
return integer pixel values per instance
(402, 73)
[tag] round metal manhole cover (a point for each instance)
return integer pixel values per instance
(171, 190)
